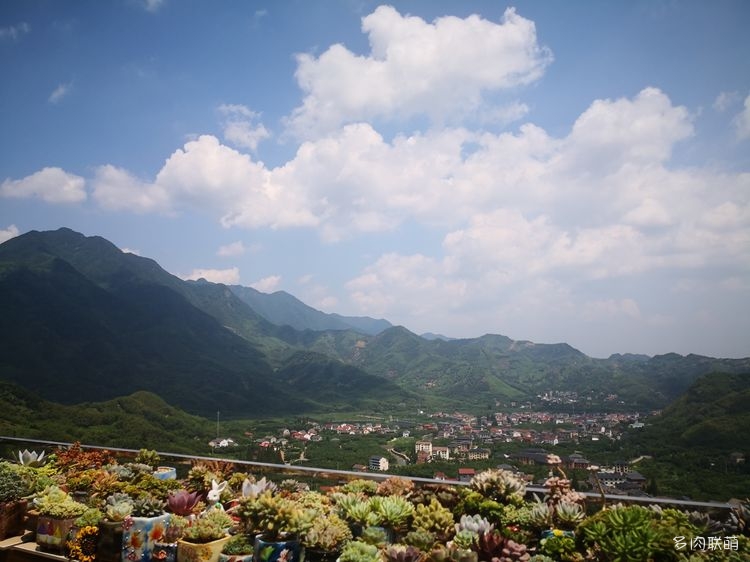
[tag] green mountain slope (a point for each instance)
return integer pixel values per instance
(713, 413)
(694, 445)
(132, 422)
(84, 321)
(340, 386)
(283, 309)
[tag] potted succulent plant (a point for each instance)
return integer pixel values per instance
(357, 551)
(81, 543)
(183, 503)
(57, 514)
(117, 508)
(394, 512)
(30, 458)
(277, 522)
(165, 550)
(204, 538)
(325, 538)
(12, 506)
(145, 526)
(239, 548)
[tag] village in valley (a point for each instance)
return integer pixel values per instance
(454, 446)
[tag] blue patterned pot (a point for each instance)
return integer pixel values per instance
(139, 534)
(289, 550)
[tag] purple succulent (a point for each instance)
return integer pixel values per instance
(182, 502)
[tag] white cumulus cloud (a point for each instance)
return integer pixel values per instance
(51, 184)
(725, 100)
(229, 276)
(8, 233)
(742, 121)
(117, 189)
(153, 5)
(230, 250)
(267, 284)
(240, 128)
(440, 69)
(61, 91)
(14, 32)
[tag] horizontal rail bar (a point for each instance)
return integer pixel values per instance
(376, 476)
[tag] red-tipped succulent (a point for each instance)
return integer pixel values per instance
(182, 502)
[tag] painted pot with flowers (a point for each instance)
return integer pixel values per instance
(181, 505)
(205, 537)
(141, 530)
(81, 544)
(57, 514)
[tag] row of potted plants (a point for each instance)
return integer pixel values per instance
(91, 507)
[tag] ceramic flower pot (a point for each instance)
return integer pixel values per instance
(164, 552)
(139, 534)
(235, 557)
(51, 533)
(289, 550)
(315, 555)
(557, 533)
(165, 473)
(109, 545)
(11, 518)
(200, 552)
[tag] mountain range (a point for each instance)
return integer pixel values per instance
(84, 321)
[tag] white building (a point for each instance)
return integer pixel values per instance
(378, 463)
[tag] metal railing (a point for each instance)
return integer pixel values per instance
(327, 474)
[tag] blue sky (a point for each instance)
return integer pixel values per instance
(550, 171)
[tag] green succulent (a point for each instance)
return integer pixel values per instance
(568, 515)
(148, 506)
(434, 518)
(238, 545)
(627, 533)
(465, 538)
(274, 516)
(211, 526)
(148, 457)
(56, 503)
(423, 540)
(442, 553)
(358, 509)
(540, 516)
(541, 558)
(12, 486)
(360, 486)
(376, 536)
(357, 551)
(499, 485)
(394, 511)
(118, 506)
(327, 533)
(90, 518)
(558, 547)
(448, 496)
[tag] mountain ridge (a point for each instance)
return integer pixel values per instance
(121, 315)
